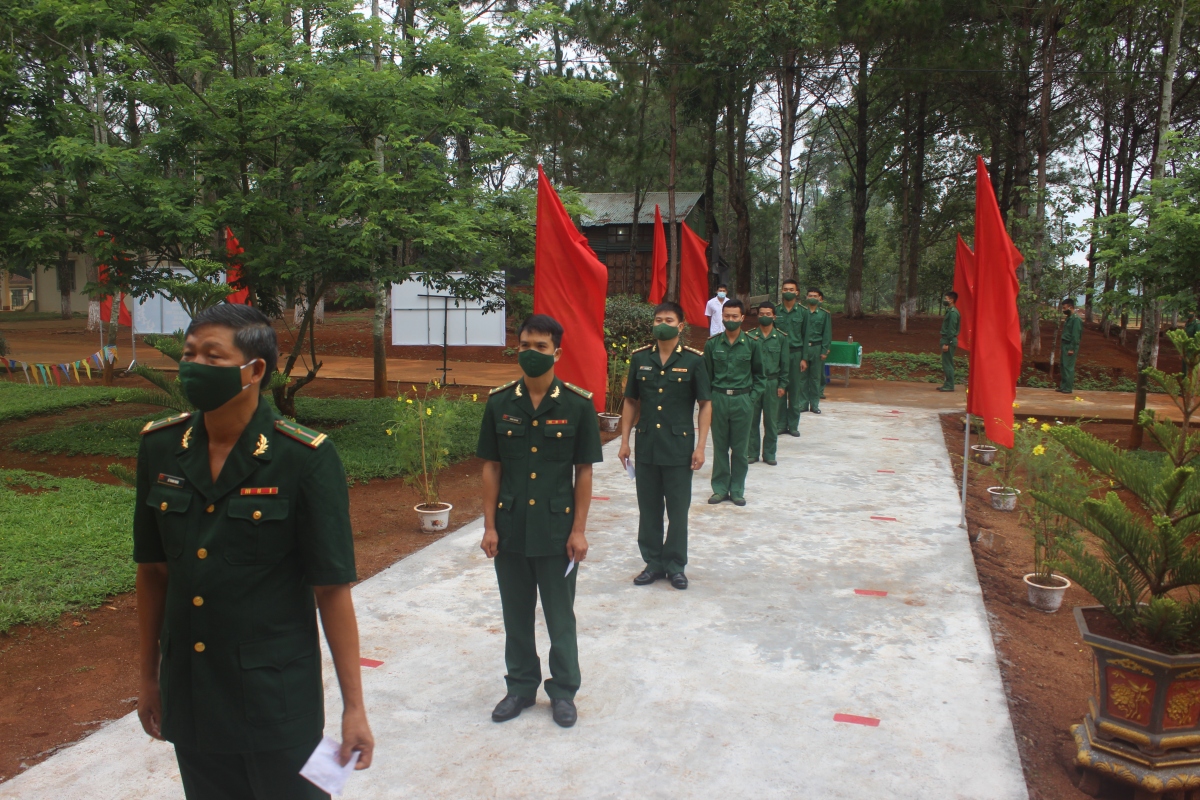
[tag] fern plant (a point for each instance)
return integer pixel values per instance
(1145, 569)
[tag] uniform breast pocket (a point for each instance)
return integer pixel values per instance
(511, 439)
(171, 506)
(560, 442)
(259, 530)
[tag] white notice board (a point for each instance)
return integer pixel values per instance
(420, 315)
(157, 314)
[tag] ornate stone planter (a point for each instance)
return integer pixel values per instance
(1143, 724)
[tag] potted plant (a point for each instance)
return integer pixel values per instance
(420, 431)
(627, 323)
(1143, 566)
(1048, 468)
(1004, 497)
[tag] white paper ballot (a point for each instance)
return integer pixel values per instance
(629, 468)
(570, 567)
(323, 770)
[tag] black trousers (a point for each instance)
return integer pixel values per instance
(272, 775)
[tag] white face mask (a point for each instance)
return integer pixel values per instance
(721, 295)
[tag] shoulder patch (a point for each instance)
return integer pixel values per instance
(502, 387)
(693, 350)
(300, 433)
(166, 422)
(584, 393)
(641, 349)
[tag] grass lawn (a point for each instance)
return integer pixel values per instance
(65, 543)
(21, 400)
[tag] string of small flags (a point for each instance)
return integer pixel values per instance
(47, 374)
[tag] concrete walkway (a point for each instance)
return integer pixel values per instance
(732, 689)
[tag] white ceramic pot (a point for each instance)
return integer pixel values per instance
(984, 453)
(434, 520)
(1004, 499)
(609, 422)
(1046, 598)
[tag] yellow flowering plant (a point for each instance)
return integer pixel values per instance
(421, 432)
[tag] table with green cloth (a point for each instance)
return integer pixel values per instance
(845, 354)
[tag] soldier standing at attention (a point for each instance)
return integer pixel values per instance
(736, 370)
(539, 437)
(790, 318)
(818, 334)
(1072, 334)
(773, 346)
(665, 384)
(949, 340)
(241, 534)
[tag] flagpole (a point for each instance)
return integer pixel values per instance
(966, 452)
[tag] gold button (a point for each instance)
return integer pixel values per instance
(657, 425)
(532, 502)
(257, 515)
(535, 423)
(162, 507)
(199, 647)
(533, 449)
(568, 509)
(660, 391)
(197, 601)
(559, 434)
(510, 433)
(660, 408)
(201, 553)
(211, 509)
(662, 372)
(500, 505)
(533, 476)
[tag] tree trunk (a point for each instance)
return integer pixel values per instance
(630, 281)
(710, 193)
(858, 236)
(736, 122)
(380, 284)
(1089, 302)
(788, 104)
(900, 297)
(673, 232)
(1049, 39)
(918, 204)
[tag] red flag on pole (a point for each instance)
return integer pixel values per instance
(658, 260)
(233, 275)
(996, 339)
(570, 284)
(693, 275)
(964, 285)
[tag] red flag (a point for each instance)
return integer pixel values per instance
(996, 339)
(123, 315)
(570, 284)
(693, 275)
(658, 261)
(233, 275)
(964, 285)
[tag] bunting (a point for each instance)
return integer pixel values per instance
(44, 374)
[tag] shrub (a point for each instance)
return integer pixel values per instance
(627, 323)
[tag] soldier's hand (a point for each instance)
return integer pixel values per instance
(945, 348)
(490, 543)
(824, 356)
(149, 709)
(577, 547)
(780, 392)
(356, 735)
(1070, 352)
(623, 454)
(697, 458)
(803, 365)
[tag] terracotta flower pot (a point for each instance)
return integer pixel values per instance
(1004, 498)
(984, 453)
(609, 422)
(1046, 598)
(435, 519)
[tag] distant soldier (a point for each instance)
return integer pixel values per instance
(1072, 334)
(818, 335)
(791, 318)
(773, 346)
(1192, 327)
(951, 323)
(735, 366)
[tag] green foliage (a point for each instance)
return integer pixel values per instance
(21, 400)
(518, 305)
(627, 326)
(169, 344)
(1145, 567)
(114, 437)
(3, 346)
(925, 367)
(423, 431)
(66, 545)
(169, 392)
(204, 288)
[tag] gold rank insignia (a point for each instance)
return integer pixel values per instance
(518, 391)
(166, 422)
(693, 350)
(578, 390)
(187, 439)
(502, 387)
(641, 349)
(261, 446)
(557, 391)
(300, 433)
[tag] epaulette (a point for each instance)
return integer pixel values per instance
(641, 349)
(502, 387)
(300, 433)
(782, 333)
(166, 422)
(584, 393)
(694, 350)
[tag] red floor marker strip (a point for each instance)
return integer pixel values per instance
(598, 497)
(888, 471)
(870, 722)
(370, 663)
(884, 519)
(870, 593)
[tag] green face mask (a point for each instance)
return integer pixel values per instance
(732, 324)
(664, 332)
(535, 364)
(208, 387)
(789, 295)
(766, 322)
(812, 301)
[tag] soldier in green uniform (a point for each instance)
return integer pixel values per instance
(791, 318)
(949, 340)
(773, 346)
(666, 381)
(818, 335)
(1072, 334)
(824, 370)
(539, 437)
(736, 370)
(241, 533)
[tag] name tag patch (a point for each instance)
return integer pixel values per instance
(170, 480)
(647, 368)
(513, 420)
(257, 490)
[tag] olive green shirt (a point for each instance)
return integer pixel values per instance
(537, 451)
(241, 663)
(668, 394)
(734, 366)
(950, 326)
(774, 349)
(1072, 332)
(793, 323)
(818, 329)
(1192, 327)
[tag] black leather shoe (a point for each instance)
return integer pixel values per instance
(794, 433)
(511, 707)
(815, 410)
(717, 498)
(739, 501)
(647, 577)
(564, 712)
(752, 460)
(679, 580)
(770, 462)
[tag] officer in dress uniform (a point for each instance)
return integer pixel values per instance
(735, 368)
(241, 533)
(773, 344)
(1072, 335)
(664, 385)
(818, 335)
(791, 318)
(539, 437)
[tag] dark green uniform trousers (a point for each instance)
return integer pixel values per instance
(521, 580)
(812, 377)
(793, 402)
(1067, 382)
(948, 369)
(730, 433)
(273, 775)
(659, 486)
(766, 412)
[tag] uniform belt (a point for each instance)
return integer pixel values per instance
(732, 391)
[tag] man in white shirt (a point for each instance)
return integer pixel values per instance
(713, 310)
